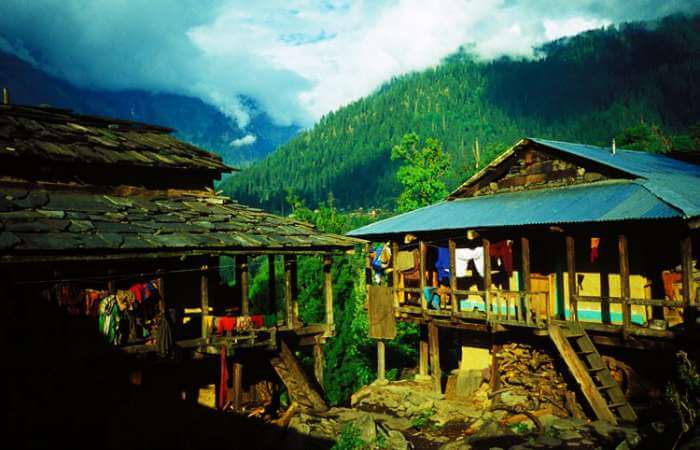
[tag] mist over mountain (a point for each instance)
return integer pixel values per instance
(194, 120)
(585, 88)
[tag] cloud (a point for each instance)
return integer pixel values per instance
(297, 59)
(248, 139)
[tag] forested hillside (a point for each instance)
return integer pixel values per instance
(194, 121)
(586, 89)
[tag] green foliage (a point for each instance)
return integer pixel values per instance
(646, 137)
(520, 428)
(423, 419)
(350, 439)
(425, 164)
(583, 89)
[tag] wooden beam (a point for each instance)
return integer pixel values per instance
(494, 379)
(289, 262)
(434, 342)
(453, 278)
(271, 284)
(487, 279)
(328, 292)
(423, 260)
(368, 265)
(237, 385)
(161, 294)
(688, 287)
(204, 298)
(244, 276)
(319, 361)
(395, 272)
(423, 352)
(571, 273)
(381, 360)
(624, 278)
(527, 283)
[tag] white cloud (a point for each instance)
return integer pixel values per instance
(298, 59)
(248, 139)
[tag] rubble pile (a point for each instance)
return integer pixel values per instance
(529, 380)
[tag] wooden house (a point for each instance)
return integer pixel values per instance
(587, 245)
(102, 205)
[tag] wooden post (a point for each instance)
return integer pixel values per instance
(289, 262)
(624, 278)
(453, 278)
(244, 277)
(571, 271)
(161, 294)
(381, 360)
(487, 280)
(689, 300)
(319, 361)
(423, 352)
(395, 273)
(237, 385)
(435, 370)
(271, 284)
(368, 265)
(494, 379)
(204, 298)
(328, 291)
(527, 284)
(423, 259)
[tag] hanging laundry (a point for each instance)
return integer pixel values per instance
(669, 279)
(164, 338)
(226, 324)
(504, 251)
(258, 321)
(443, 264)
(595, 243)
(244, 323)
(223, 379)
(108, 319)
(381, 260)
(432, 297)
(92, 301)
(464, 255)
(405, 260)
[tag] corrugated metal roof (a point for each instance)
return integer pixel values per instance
(676, 182)
(597, 202)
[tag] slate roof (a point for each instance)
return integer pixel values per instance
(42, 219)
(62, 136)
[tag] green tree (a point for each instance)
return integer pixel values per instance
(425, 163)
(644, 136)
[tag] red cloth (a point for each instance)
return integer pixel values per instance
(670, 278)
(258, 321)
(503, 250)
(224, 324)
(223, 381)
(137, 289)
(595, 243)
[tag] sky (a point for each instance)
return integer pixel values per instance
(297, 59)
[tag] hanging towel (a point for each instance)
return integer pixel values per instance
(443, 264)
(595, 243)
(504, 251)
(258, 321)
(432, 297)
(464, 255)
(225, 324)
(164, 338)
(223, 380)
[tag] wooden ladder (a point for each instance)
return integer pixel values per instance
(590, 371)
(300, 388)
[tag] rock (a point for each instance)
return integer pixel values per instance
(570, 435)
(604, 429)
(456, 445)
(548, 419)
(659, 427)
(632, 437)
(468, 381)
(547, 441)
(510, 399)
(623, 446)
(366, 426)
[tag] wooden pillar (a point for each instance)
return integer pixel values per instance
(395, 272)
(271, 284)
(453, 278)
(494, 379)
(319, 361)
(381, 360)
(525, 274)
(204, 298)
(237, 385)
(689, 300)
(161, 294)
(328, 290)
(423, 352)
(487, 280)
(289, 282)
(624, 278)
(244, 277)
(571, 273)
(423, 259)
(368, 265)
(435, 370)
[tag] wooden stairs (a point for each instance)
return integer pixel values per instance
(300, 388)
(601, 390)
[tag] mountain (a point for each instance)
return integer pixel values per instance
(585, 88)
(194, 121)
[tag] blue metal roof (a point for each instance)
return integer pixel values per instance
(676, 182)
(596, 202)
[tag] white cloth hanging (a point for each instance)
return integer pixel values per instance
(464, 255)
